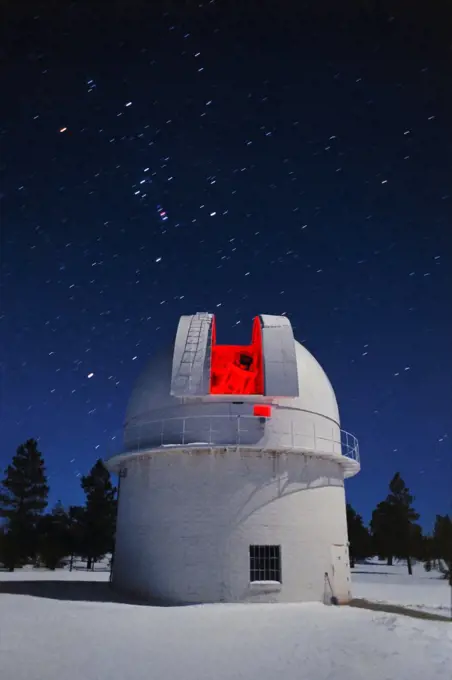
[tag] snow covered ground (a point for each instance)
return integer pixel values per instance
(63, 624)
(423, 591)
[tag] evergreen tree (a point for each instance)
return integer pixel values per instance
(76, 516)
(358, 536)
(54, 537)
(441, 547)
(2, 546)
(405, 516)
(381, 528)
(98, 521)
(427, 548)
(23, 498)
(418, 542)
(393, 530)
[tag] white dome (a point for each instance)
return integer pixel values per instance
(296, 409)
(151, 393)
(316, 392)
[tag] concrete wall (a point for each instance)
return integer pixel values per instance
(186, 521)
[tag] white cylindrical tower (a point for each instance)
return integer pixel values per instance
(232, 473)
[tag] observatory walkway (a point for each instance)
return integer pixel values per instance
(241, 431)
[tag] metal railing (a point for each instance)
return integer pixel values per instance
(240, 430)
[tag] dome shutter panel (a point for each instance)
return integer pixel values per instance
(280, 362)
(191, 359)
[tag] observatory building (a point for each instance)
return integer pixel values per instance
(232, 473)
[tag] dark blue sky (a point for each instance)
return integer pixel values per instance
(304, 163)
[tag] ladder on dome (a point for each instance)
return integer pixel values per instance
(191, 374)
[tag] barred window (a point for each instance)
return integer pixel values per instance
(265, 563)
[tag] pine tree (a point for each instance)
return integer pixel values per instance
(381, 528)
(441, 547)
(405, 517)
(3, 557)
(393, 524)
(23, 498)
(418, 542)
(76, 516)
(54, 537)
(358, 536)
(98, 521)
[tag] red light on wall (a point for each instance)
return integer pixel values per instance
(262, 411)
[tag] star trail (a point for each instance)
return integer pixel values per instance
(219, 157)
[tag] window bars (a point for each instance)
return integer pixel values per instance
(265, 563)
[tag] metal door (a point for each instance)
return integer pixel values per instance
(340, 569)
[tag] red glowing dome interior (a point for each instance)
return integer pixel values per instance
(237, 369)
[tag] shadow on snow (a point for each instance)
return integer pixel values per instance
(82, 591)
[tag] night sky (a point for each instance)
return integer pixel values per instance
(241, 159)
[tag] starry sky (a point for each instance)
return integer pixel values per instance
(164, 158)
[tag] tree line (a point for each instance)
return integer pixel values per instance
(30, 533)
(393, 533)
